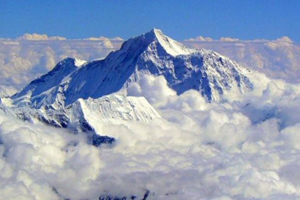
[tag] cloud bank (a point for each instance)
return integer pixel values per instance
(244, 148)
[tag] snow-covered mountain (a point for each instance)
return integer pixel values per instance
(79, 94)
(151, 53)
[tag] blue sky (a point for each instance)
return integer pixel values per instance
(180, 19)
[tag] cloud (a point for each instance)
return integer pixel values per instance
(284, 39)
(198, 150)
(200, 38)
(36, 36)
(37, 160)
(155, 89)
(228, 39)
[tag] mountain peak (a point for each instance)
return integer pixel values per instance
(51, 79)
(171, 46)
(157, 41)
(156, 30)
(154, 33)
(68, 62)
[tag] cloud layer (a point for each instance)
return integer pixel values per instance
(244, 148)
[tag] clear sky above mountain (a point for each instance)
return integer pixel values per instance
(247, 19)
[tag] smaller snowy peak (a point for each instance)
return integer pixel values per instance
(69, 63)
(66, 65)
(51, 79)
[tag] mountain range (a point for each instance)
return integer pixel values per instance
(79, 95)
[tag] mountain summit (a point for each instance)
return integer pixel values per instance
(151, 53)
(156, 39)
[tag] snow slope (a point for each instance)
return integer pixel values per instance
(86, 115)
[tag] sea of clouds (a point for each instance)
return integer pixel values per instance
(246, 147)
